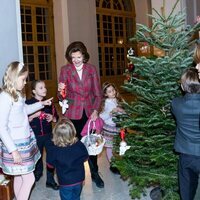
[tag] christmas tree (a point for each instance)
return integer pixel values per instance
(154, 80)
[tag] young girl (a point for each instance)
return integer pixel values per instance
(18, 149)
(68, 155)
(110, 106)
(41, 123)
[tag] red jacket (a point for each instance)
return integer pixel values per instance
(83, 94)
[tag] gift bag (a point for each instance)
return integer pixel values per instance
(98, 126)
(92, 141)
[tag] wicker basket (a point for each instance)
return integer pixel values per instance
(93, 142)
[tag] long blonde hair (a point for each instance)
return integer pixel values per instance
(13, 71)
(64, 133)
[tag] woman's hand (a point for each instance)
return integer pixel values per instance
(47, 102)
(17, 157)
(61, 86)
(94, 115)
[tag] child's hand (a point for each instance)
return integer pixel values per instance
(121, 110)
(49, 117)
(117, 110)
(35, 115)
(47, 102)
(114, 110)
(16, 157)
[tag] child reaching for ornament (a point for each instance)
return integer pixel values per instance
(41, 123)
(110, 107)
(19, 152)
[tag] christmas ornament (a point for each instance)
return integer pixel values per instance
(128, 77)
(131, 52)
(131, 67)
(63, 92)
(64, 105)
(123, 145)
(42, 116)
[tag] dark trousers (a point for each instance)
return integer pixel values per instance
(43, 142)
(79, 124)
(70, 192)
(189, 169)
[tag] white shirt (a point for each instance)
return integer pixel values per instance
(14, 122)
(80, 71)
(106, 115)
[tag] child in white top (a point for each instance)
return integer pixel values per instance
(18, 149)
(110, 106)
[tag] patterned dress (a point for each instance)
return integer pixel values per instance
(16, 134)
(109, 128)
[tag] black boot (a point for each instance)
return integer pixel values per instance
(97, 179)
(156, 193)
(92, 161)
(50, 183)
(114, 170)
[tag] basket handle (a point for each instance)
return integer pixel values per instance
(89, 126)
(88, 131)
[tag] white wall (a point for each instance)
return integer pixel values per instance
(141, 9)
(169, 4)
(10, 34)
(61, 28)
(75, 20)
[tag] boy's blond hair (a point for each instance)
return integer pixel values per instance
(64, 133)
(13, 71)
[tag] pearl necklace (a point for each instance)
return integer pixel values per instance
(78, 69)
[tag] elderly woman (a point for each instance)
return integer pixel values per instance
(81, 82)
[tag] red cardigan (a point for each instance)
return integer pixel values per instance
(83, 94)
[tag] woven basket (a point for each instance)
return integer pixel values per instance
(93, 142)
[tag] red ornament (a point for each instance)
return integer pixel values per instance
(128, 77)
(63, 93)
(42, 116)
(122, 134)
(131, 67)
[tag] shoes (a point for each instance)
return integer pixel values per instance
(114, 170)
(97, 179)
(156, 193)
(53, 186)
(37, 177)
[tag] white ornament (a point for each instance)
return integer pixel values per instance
(123, 147)
(64, 104)
(131, 52)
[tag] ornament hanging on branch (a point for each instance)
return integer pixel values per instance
(64, 103)
(123, 145)
(131, 52)
(131, 67)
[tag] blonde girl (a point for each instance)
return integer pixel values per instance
(110, 106)
(18, 149)
(67, 154)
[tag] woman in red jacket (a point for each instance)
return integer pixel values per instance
(80, 81)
